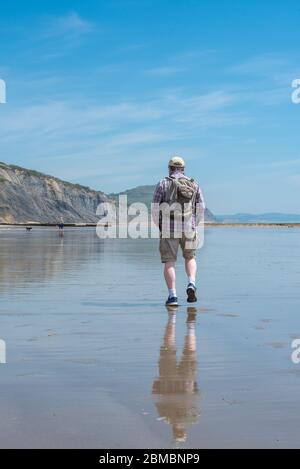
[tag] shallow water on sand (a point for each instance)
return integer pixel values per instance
(94, 359)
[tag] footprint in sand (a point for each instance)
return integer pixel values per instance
(228, 315)
(33, 339)
(277, 345)
(206, 310)
(295, 372)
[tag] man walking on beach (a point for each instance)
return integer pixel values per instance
(181, 199)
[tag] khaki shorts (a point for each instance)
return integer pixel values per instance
(168, 247)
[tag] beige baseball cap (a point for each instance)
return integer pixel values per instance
(177, 162)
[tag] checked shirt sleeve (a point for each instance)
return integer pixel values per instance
(158, 198)
(200, 206)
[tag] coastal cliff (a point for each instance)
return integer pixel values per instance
(28, 196)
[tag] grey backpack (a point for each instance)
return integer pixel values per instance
(182, 191)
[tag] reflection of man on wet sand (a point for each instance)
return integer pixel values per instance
(176, 388)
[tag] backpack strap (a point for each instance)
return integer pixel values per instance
(171, 189)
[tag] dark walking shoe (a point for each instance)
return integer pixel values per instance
(172, 301)
(191, 293)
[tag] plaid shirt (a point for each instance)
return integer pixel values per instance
(159, 197)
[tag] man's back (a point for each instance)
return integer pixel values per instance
(162, 195)
(189, 200)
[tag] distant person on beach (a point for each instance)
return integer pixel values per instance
(61, 227)
(180, 191)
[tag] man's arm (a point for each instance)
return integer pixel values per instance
(200, 206)
(156, 201)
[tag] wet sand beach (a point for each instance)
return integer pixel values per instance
(94, 359)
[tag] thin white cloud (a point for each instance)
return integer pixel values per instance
(263, 64)
(56, 36)
(295, 179)
(74, 133)
(283, 164)
(131, 47)
(66, 117)
(272, 67)
(165, 71)
(69, 24)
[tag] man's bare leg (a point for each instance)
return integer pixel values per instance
(170, 277)
(191, 271)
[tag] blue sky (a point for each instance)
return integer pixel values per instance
(104, 92)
